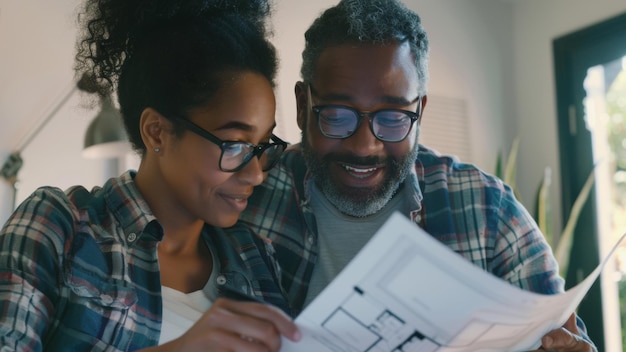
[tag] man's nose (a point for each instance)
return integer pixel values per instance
(363, 142)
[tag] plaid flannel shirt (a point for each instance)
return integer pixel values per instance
(79, 270)
(473, 213)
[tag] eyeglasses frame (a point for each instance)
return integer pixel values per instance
(413, 115)
(257, 150)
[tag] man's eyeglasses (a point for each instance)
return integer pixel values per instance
(388, 125)
(235, 155)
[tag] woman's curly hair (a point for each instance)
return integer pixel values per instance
(171, 55)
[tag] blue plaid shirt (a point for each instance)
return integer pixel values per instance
(79, 270)
(474, 214)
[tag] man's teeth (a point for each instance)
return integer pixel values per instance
(354, 169)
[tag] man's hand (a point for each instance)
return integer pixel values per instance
(566, 339)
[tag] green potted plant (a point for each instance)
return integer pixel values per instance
(562, 243)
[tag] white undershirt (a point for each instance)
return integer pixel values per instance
(181, 310)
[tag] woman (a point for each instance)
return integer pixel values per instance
(141, 262)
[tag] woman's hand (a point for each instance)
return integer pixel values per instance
(236, 326)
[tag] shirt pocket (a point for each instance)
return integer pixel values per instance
(99, 297)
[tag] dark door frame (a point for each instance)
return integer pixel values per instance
(573, 55)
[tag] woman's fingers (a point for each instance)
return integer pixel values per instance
(244, 326)
(276, 318)
(225, 340)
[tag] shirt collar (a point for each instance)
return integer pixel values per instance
(415, 199)
(130, 209)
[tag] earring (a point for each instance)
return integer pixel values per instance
(157, 149)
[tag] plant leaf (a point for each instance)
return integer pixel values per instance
(543, 211)
(498, 171)
(565, 240)
(511, 168)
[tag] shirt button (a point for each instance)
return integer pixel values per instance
(221, 280)
(131, 237)
(418, 219)
(106, 299)
(310, 239)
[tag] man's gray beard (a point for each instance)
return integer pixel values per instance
(358, 202)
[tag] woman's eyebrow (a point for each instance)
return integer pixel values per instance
(236, 125)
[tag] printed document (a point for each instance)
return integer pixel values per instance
(407, 292)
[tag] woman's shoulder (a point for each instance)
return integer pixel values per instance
(48, 200)
(53, 214)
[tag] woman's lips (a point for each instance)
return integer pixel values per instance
(236, 202)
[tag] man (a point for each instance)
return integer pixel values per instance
(359, 105)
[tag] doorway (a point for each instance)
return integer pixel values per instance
(590, 67)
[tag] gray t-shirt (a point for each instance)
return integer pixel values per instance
(341, 237)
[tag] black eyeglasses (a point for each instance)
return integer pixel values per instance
(387, 125)
(235, 155)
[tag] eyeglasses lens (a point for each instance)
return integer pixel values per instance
(387, 125)
(391, 126)
(235, 155)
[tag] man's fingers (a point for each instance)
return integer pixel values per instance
(570, 324)
(567, 338)
(563, 340)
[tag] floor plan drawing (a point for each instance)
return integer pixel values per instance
(372, 327)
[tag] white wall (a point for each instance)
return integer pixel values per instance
(37, 40)
(54, 156)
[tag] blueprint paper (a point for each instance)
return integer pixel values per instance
(407, 292)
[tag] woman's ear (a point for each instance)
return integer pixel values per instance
(152, 128)
(300, 91)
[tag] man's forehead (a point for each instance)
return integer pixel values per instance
(367, 69)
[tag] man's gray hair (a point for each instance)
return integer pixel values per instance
(368, 22)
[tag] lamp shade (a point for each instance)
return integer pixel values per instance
(106, 137)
